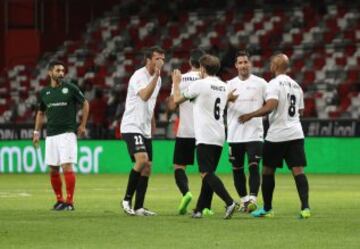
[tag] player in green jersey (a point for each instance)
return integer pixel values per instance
(58, 102)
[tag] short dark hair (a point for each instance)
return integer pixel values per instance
(241, 53)
(210, 63)
(195, 56)
(148, 53)
(54, 63)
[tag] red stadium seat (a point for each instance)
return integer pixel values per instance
(167, 43)
(341, 61)
(297, 38)
(298, 64)
(310, 108)
(309, 77)
(353, 76)
(318, 63)
(322, 46)
(174, 31)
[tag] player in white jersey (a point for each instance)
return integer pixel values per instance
(285, 137)
(245, 138)
(144, 86)
(210, 97)
(184, 152)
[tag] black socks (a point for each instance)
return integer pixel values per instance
(267, 188)
(132, 184)
(254, 179)
(181, 181)
(218, 187)
(141, 191)
(302, 186)
(240, 181)
(205, 197)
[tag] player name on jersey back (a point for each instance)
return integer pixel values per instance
(189, 78)
(218, 88)
(285, 119)
(210, 97)
(186, 124)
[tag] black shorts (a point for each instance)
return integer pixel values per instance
(208, 157)
(292, 151)
(237, 153)
(136, 143)
(184, 152)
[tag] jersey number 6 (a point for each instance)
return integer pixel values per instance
(217, 109)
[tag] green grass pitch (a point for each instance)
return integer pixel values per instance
(98, 222)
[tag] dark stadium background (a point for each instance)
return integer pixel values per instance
(101, 43)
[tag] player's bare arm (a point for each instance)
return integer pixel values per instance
(171, 103)
(269, 106)
(176, 79)
(38, 125)
(85, 114)
(146, 92)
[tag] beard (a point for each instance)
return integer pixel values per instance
(245, 73)
(58, 79)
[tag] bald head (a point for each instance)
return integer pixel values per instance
(279, 64)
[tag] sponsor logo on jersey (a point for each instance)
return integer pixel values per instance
(65, 90)
(251, 88)
(57, 104)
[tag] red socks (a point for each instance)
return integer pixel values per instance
(70, 186)
(56, 185)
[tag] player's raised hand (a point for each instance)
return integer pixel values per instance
(158, 66)
(244, 118)
(176, 77)
(232, 96)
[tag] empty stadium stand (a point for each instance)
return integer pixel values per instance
(322, 42)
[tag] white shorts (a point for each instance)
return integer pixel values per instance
(61, 149)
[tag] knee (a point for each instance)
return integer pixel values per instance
(67, 167)
(268, 171)
(297, 171)
(203, 174)
(54, 170)
(176, 166)
(238, 168)
(141, 161)
(146, 171)
(253, 167)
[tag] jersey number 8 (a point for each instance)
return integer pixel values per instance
(292, 109)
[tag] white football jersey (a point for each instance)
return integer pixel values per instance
(138, 113)
(186, 124)
(285, 119)
(251, 96)
(209, 96)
